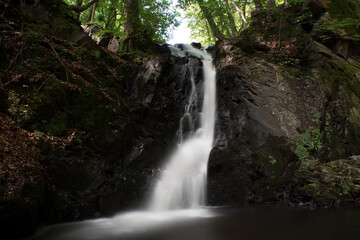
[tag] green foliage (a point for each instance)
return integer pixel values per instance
(313, 140)
(158, 18)
(296, 1)
(341, 9)
(309, 142)
(272, 160)
(200, 31)
(327, 182)
(223, 13)
(344, 19)
(301, 151)
(304, 165)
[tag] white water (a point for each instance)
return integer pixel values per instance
(182, 184)
(121, 226)
(183, 181)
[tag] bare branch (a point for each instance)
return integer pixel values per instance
(243, 19)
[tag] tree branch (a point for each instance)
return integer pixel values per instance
(80, 9)
(214, 28)
(243, 19)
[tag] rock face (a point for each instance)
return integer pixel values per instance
(278, 101)
(162, 87)
(261, 111)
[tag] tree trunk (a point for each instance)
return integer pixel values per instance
(214, 28)
(244, 8)
(243, 19)
(78, 8)
(136, 37)
(231, 19)
(111, 18)
(271, 4)
(223, 18)
(92, 12)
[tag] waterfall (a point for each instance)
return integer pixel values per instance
(182, 184)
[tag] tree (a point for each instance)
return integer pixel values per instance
(210, 19)
(132, 28)
(241, 14)
(79, 7)
(224, 18)
(136, 22)
(234, 31)
(92, 12)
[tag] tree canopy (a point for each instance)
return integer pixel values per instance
(155, 18)
(212, 20)
(138, 21)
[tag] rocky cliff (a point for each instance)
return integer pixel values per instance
(285, 94)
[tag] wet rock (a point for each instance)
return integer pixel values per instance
(162, 86)
(162, 48)
(196, 45)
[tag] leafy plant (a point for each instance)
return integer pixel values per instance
(272, 160)
(309, 142)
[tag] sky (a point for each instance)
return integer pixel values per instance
(182, 33)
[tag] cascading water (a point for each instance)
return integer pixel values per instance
(182, 185)
(183, 182)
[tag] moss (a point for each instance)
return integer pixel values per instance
(347, 77)
(57, 124)
(341, 78)
(327, 183)
(335, 73)
(342, 20)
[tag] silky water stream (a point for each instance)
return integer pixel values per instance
(176, 209)
(181, 189)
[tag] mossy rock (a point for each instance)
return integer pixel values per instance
(327, 184)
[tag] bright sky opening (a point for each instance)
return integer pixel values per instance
(182, 34)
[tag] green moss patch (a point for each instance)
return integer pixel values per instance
(327, 184)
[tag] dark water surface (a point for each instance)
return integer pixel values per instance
(253, 223)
